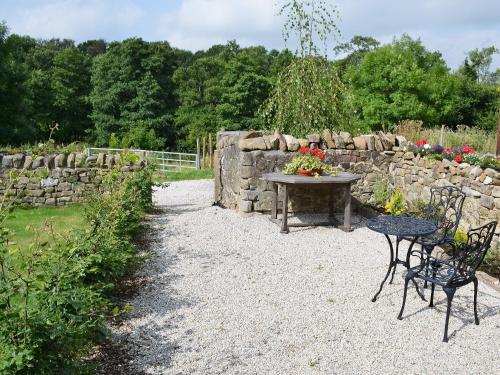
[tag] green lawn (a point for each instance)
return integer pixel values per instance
(184, 174)
(63, 219)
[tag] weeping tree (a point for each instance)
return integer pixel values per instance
(308, 95)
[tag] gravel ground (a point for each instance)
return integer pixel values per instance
(228, 294)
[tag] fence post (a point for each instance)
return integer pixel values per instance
(204, 151)
(210, 151)
(198, 153)
(441, 136)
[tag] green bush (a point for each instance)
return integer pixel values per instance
(54, 296)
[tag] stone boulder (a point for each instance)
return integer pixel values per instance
(327, 136)
(60, 161)
(250, 134)
(387, 144)
(360, 143)
(18, 160)
(338, 140)
(28, 162)
(282, 141)
(71, 160)
(39, 162)
(7, 161)
(370, 142)
(401, 141)
(250, 144)
(292, 144)
(101, 159)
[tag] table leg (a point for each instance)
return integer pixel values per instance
(330, 205)
(347, 209)
(274, 203)
(391, 264)
(407, 265)
(284, 219)
(398, 240)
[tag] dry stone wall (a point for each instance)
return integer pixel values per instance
(242, 158)
(56, 179)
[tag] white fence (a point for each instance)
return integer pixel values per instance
(164, 161)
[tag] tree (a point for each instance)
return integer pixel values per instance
(133, 94)
(403, 80)
(70, 84)
(477, 65)
(355, 49)
(14, 126)
(308, 95)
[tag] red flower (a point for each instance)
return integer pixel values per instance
(304, 150)
(417, 143)
(468, 150)
(448, 150)
(458, 158)
(423, 142)
(319, 154)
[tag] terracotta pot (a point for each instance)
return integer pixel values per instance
(311, 173)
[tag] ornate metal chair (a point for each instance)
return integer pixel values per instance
(455, 272)
(445, 210)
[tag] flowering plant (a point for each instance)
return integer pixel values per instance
(396, 204)
(310, 160)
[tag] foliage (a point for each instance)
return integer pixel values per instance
(403, 80)
(224, 88)
(132, 93)
(396, 204)
(54, 294)
(381, 192)
(308, 97)
(312, 22)
(310, 159)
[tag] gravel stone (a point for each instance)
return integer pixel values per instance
(227, 294)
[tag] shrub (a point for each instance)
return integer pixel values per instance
(54, 296)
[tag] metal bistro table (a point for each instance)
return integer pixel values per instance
(400, 226)
(343, 179)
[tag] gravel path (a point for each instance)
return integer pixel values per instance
(228, 294)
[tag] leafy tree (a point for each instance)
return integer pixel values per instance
(403, 80)
(70, 84)
(477, 65)
(308, 95)
(93, 48)
(14, 126)
(355, 49)
(133, 95)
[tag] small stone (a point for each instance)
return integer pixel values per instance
(487, 201)
(360, 143)
(291, 143)
(101, 159)
(80, 159)
(387, 144)
(246, 206)
(60, 161)
(282, 141)
(401, 141)
(338, 140)
(470, 192)
(274, 140)
(250, 134)
(496, 192)
(370, 142)
(408, 155)
(313, 138)
(39, 162)
(303, 142)
(252, 144)
(28, 162)
(327, 136)
(7, 161)
(18, 160)
(487, 180)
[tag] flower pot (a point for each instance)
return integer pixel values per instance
(309, 173)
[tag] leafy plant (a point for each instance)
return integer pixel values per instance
(310, 160)
(381, 192)
(396, 204)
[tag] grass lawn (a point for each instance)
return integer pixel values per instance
(63, 219)
(184, 174)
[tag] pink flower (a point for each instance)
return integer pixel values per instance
(458, 158)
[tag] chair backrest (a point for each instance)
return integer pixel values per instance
(445, 209)
(471, 254)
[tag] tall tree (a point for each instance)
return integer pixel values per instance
(133, 95)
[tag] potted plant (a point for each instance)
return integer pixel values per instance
(309, 162)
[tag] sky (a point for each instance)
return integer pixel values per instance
(452, 27)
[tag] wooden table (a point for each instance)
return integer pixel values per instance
(343, 179)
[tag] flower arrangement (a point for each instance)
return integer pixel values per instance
(464, 154)
(309, 163)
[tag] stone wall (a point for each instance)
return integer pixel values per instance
(242, 158)
(56, 179)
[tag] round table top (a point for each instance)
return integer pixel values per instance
(402, 226)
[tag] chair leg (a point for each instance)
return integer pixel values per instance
(450, 292)
(475, 301)
(407, 280)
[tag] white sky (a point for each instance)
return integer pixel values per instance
(450, 26)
